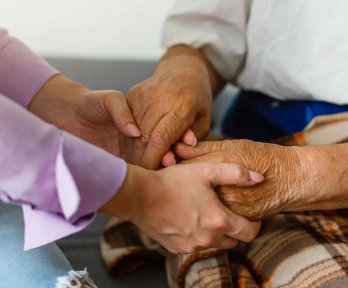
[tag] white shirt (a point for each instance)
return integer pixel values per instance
(288, 49)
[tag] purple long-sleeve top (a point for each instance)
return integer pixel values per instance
(60, 180)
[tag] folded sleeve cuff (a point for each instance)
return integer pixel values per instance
(86, 178)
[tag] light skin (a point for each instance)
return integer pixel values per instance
(99, 117)
(177, 206)
(296, 178)
(184, 216)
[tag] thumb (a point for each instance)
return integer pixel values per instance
(233, 174)
(201, 148)
(116, 105)
(189, 138)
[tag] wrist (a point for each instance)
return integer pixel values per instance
(183, 64)
(323, 174)
(126, 203)
(283, 177)
(55, 99)
(185, 56)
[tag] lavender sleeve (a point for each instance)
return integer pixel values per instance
(22, 72)
(60, 180)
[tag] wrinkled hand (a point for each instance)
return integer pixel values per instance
(179, 208)
(279, 165)
(177, 97)
(100, 117)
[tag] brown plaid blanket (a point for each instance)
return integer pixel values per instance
(302, 249)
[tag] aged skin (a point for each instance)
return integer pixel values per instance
(176, 98)
(296, 178)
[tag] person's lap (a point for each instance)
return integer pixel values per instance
(258, 117)
(303, 249)
(36, 268)
(299, 250)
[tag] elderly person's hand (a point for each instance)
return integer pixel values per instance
(287, 184)
(177, 97)
(100, 117)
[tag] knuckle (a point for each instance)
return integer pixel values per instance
(141, 142)
(130, 95)
(110, 94)
(173, 251)
(238, 172)
(218, 222)
(188, 249)
(208, 170)
(160, 139)
(238, 233)
(187, 103)
(205, 241)
(250, 235)
(137, 91)
(131, 91)
(183, 106)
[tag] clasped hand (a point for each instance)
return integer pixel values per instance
(281, 167)
(178, 206)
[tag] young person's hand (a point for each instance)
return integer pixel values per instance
(102, 118)
(178, 207)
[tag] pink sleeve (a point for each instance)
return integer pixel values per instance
(22, 72)
(60, 180)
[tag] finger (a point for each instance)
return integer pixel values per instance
(116, 104)
(122, 142)
(213, 239)
(189, 138)
(202, 148)
(201, 127)
(216, 157)
(168, 130)
(168, 159)
(241, 228)
(233, 174)
(227, 243)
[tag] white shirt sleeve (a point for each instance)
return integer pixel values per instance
(216, 27)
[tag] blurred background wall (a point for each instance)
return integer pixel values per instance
(103, 29)
(104, 44)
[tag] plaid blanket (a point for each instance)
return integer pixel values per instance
(302, 249)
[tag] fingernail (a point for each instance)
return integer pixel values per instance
(255, 177)
(194, 143)
(168, 164)
(133, 130)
